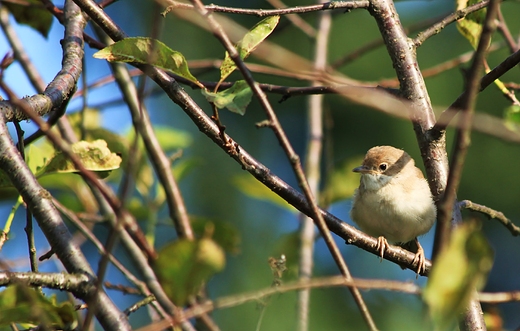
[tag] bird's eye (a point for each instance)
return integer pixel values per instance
(383, 166)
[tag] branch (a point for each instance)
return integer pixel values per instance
(257, 169)
(79, 284)
(160, 162)
(462, 137)
(294, 159)
(446, 117)
(436, 28)
(499, 297)
(51, 224)
(37, 199)
(472, 317)
(259, 295)
(491, 213)
(413, 88)
(312, 165)
(60, 89)
(346, 5)
(295, 19)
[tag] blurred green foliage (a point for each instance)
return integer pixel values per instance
(214, 185)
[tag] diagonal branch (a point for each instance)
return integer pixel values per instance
(178, 95)
(413, 88)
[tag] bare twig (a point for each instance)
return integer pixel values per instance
(504, 30)
(312, 170)
(436, 28)
(335, 281)
(295, 19)
(372, 45)
(472, 317)
(282, 138)
(462, 138)
(491, 213)
(499, 297)
(158, 158)
(146, 301)
(345, 5)
(446, 117)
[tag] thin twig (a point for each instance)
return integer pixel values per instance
(442, 67)
(345, 5)
(472, 316)
(160, 161)
(312, 170)
(499, 297)
(436, 28)
(372, 45)
(19, 52)
(462, 138)
(504, 66)
(324, 282)
(133, 308)
(33, 258)
(504, 30)
(294, 159)
(491, 213)
(295, 19)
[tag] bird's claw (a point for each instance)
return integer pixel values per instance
(381, 246)
(419, 258)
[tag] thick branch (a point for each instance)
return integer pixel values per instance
(39, 202)
(79, 284)
(413, 88)
(62, 86)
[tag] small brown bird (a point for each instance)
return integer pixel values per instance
(393, 201)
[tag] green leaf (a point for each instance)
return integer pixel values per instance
(225, 234)
(95, 156)
(21, 304)
(471, 26)
(342, 182)
(33, 14)
(90, 127)
(183, 266)
(148, 51)
(249, 43)
(184, 166)
(248, 185)
(36, 157)
(512, 117)
(139, 210)
(236, 98)
(171, 139)
(89, 118)
(459, 270)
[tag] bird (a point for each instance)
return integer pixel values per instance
(393, 201)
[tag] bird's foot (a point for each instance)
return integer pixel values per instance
(382, 245)
(419, 258)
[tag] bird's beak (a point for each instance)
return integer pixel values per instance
(361, 169)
